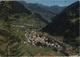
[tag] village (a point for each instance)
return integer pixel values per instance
(42, 40)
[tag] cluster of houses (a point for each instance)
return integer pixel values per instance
(42, 40)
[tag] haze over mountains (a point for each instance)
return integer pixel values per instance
(47, 12)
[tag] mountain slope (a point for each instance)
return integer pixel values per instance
(15, 19)
(14, 25)
(12, 7)
(46, 12)
(57, 9)
(10, 41)
(66, 24)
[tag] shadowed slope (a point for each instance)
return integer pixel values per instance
(66, 23)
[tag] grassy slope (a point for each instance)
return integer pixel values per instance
(16, 35)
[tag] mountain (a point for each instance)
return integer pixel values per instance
(20, 31)
(16, 23)
(10, 39)
(12, 7)
(16, 9)
(66, 24)
(47, 12)
(15, 19)
(57, 9)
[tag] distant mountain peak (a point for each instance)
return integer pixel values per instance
(46, 12)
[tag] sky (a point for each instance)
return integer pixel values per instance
(52, 2)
